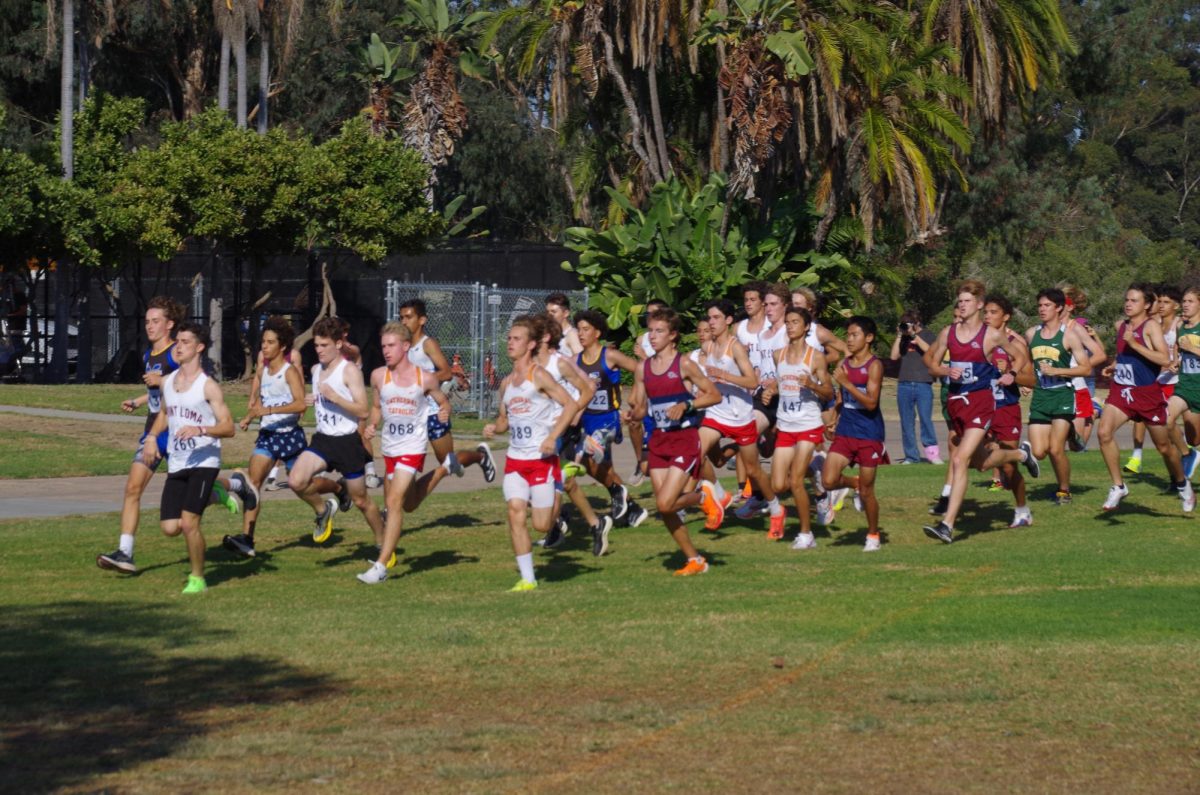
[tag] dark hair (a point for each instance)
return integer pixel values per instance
(1054, 295)
(865, 323)
(1147, 290)
(756, 286)
(551, 328)
(911, 316)
(198, 330)
(331, 328)
(417, 305)
(995, 298)
(670, 317)
(532, 324)
(174, 311)
(594, 319)
(804, 314)
(1170, 291)
(728, 308)
(283, 331)
(656, 302)
(558, 299)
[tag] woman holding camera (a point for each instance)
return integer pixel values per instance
(914, 393)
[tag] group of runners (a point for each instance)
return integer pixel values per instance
(773, 386)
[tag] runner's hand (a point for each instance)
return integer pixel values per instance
(128, 406)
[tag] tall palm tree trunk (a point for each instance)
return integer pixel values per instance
(223, 75)
(264, 78)
(239, 54)
(67, 86)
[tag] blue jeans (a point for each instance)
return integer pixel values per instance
(912, 395)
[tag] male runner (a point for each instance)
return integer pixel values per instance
(558, 307)
(639, 433)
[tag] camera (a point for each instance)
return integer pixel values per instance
(905, 328)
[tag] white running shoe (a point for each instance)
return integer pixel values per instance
(872, 544)
(1115, 495)
(836, 498)
(1188, 496)
(817, 466)
(452, 464)
(374, 575)
(858, 506)
(804, 541)
(1022, 519)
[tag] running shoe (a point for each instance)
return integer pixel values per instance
(223, 497)
(996, 486)
(487, 463)
(804, 541)
(858, 503)
(274, 484)
(692, 568)
(595, 444)
(933, 455)
(824, 511)
(572, 470)
(1062, 498)
(556, 535)
(618, 497)
(1188, 497)
(241, 543)
(1189, 463)
(713, 509)
(751, 508)
(373, 481)
(117, 561)
(636, 478)
(775, 532)
(817, 466)
(374, 575)
(1022, 520)
(940, 507)
(1133, 465)
(323, 525)
(637, 514)
(240, 485)
(939, 532)
(838, 498)
(1074, 443)
(600, 535)
(345, 501)
(1031, 463)
(453, 465)
(195, 585)
(523, 585)
(872, 544)
(1115, 495)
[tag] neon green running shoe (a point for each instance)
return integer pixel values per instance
(195, 585)
(572, 470)
(523, 585)
(996, 486)
(391, 562)
(223, 497)
(1133, 465)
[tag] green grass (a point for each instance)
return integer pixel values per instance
(1062, 657)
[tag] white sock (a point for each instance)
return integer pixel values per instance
(946, 490)
(274, 473)
(126, 544)
(370, 467)
(525, 564)
(718, 490)
(775, 507)
(1136, 454)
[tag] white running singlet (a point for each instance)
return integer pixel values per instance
(531, 417)
(769, 341)
(332, 419)
(404, 408)
(183, 410)
(555, 367)
(799, 407)
(736, 407)
(750, 340)
(273, 390)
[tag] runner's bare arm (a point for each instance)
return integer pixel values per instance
(622, 360)
(935, 352)
(706, 391)
(820, 383)
(442, 367)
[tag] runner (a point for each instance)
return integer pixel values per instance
(529, 397)
(403, 394)
(747, 331)
(163, 318)
(728, 366)
(558, 307)
(1169, 299)
(339, 400)
(661, 390)
(639, 433)
(1058, 356)
(772, 338)
(1086, 408)
(803, 382)
(943, 501)
(860, 430)
(1135, 394)
(277, 402)
(971, 402)
(195, 418)
(1006, 423)
(602, 422)
(274, 481)
(427, 354)
(1185, 400)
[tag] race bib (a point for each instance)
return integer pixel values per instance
(968, 373)
(1123, 374)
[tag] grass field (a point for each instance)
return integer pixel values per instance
(1063, 657)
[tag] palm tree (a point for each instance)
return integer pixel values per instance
(234, 20)
(279, 25)
(440, 46)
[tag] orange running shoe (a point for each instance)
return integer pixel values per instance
(747, 490)
(712, 507)
(775, 532)
(692, 568)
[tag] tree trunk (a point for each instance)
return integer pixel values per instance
(656, 114)
(264, 78)
(240, 58)
(67, 94)
(635, 118)
(85, 61)
(223, 75)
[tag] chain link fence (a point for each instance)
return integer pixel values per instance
(471, 322)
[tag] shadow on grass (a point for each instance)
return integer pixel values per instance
(306, 542)
(674, 560)
(89, 689)
(434, 560)
(224, 566)
(857, 538)
(454, 520)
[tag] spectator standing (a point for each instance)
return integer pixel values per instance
(914, 393)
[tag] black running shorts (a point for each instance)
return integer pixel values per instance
(344, 454)
(187, 490)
